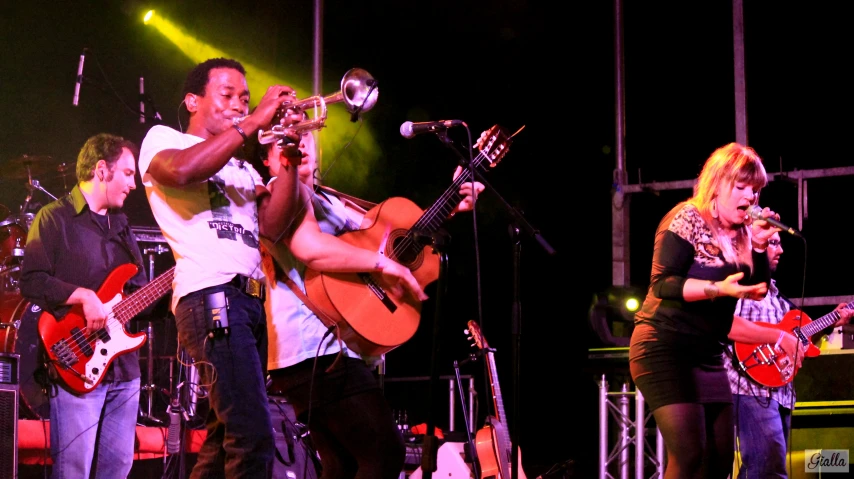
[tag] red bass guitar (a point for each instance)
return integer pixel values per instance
(79, 356)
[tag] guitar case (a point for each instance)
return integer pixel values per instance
(295, 455)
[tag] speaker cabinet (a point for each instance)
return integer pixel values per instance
(9, 383)
(295, 455)
(824, 412)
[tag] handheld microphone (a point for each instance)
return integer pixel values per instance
(755, 212)
(79, 78)
(409, 129)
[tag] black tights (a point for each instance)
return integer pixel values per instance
(699, 440)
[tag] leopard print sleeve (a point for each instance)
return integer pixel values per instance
(690, 226)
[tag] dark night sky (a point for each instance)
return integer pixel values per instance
(506, 62)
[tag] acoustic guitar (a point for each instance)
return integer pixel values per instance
(492, 441)
(772, 367)
(370, 321)
(80, 356)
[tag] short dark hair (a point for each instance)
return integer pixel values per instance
(198, 77)
(102, 146)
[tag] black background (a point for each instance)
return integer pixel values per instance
(512, 63)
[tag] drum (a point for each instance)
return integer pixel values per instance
(13, 238)
(19, 333)
(26, 220)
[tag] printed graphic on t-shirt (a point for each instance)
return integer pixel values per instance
(222, 219)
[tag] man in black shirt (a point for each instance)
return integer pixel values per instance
(74, 244)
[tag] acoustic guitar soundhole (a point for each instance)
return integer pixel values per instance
(405, 249)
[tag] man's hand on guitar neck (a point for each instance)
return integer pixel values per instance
(467, 190)
(845, 314)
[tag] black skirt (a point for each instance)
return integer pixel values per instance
(669, 368)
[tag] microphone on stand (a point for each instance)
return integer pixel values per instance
(141, 100)
(79, 77)
(409, 129)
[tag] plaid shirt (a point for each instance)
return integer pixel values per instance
(771, 309)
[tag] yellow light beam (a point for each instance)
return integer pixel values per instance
(351, 171)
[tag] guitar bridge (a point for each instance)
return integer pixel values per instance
(378, 291)
(766, 355)
(64, 355)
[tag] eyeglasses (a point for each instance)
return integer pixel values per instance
(774, 242)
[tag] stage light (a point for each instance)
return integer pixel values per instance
(148, 16)
(632, 304)
(611, 315)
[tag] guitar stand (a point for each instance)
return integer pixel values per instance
(475, 461)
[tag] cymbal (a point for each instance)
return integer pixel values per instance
(66, 169)
(26, 166)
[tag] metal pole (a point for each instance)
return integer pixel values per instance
(640, 430)
(317, 77)
(603, 428)
(471, 405)
(451, 404)
(625, 433)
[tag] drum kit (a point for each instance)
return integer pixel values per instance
(18, 317)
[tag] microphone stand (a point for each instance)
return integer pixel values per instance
(150, 387)
(430, 445)
(518, 226)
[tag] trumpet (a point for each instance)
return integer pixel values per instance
(358, 92)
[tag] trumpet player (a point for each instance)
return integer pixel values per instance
(331, 388)
(213, 209)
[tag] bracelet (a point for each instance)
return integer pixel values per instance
(779, 340)
(711, 290)
(240, 130)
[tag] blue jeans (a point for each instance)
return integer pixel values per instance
(239, 442)
(99, 425)
(763, 427)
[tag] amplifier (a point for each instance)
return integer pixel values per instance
(826, 377)
(147, 234)
(9, 384)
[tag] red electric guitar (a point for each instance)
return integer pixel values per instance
(772, 367)
(494, 451)
(80, 357)
(371, 322)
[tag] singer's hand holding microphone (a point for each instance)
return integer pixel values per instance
(765, 223)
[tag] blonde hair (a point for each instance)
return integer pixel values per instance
(729, 164)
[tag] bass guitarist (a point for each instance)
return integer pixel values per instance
(331, 388)
(763, 415)
(75, 242)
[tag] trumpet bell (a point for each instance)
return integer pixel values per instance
(358, 92)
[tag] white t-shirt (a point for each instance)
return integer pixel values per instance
(212, 226)
(294, 332)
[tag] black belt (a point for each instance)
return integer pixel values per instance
(252, 287)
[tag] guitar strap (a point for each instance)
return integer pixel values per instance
(366, 205)
(324, 318)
